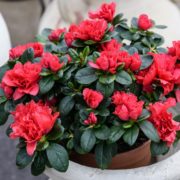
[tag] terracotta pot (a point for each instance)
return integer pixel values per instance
(141, 156)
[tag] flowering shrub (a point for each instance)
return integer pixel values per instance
(96, 88)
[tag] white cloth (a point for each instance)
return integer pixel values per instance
(5, 43)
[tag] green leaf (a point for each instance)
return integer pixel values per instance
(3, 69)
(46, 32)
(56, 132)
(103, 112)
(46, 84)
(144, 115)
(70, 144)
(132, 50)
(103, 155)
(149, 130)
(9, 106)
(86, 76)
(38, 165)
(3, 99)
(28, 55)
(105, 89)
(42, 145)
(73, 54)
(23, 159)
(123, 78)
(66, 105)
(107, 79)
(160, 26)
(106, 38)
(58, 157)
(131, 135)
(159, 148)
(88, 140)
(126, 35)
(2, 92)
(4, 115)
(116, 133)
(134, 22)
(147, 60)
(177, 118)
(78, 43)
(156, 40)
(90, 42)
(117, 19)
(102, 133)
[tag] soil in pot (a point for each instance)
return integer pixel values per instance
(129, 157)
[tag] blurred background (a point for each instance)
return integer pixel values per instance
(21, 20)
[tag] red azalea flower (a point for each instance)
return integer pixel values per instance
(19, 50)
(144, 23)
(92, 119)
(92, 98)
(56, 34)
(175, 49)
(51, 61)
(31, 122)
(91, 30)
(70, 35)
(8, 91)
(108, 61)
(106, 12)
(178, 95)
(132, 62)
(112, 45)
(127, 106)
(163, 120)
(24, 78)
(163, 70)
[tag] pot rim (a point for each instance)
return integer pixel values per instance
(166, 169)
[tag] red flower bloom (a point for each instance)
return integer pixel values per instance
(31, 122)
(70, 35)
(132, 62)
(19, 50)
(56, 34)
(24, 78)
(106, 12)
(127, 106)
(108, 61)
(163, 120)
(51, 61)
(112, 45)
(144, 23)
(175, 49)
(8, 91)
(92, 119)
(92, 98)
(163, 70)
(91, 30)
(178, 95)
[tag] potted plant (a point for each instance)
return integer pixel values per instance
(97, 94)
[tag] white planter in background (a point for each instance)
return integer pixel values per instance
(5, 43)
(61, 13)
(168, 169)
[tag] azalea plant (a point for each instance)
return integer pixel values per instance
(100, 87)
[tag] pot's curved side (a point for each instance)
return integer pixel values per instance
(5, 40)
(168, 169)
(138, 157)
